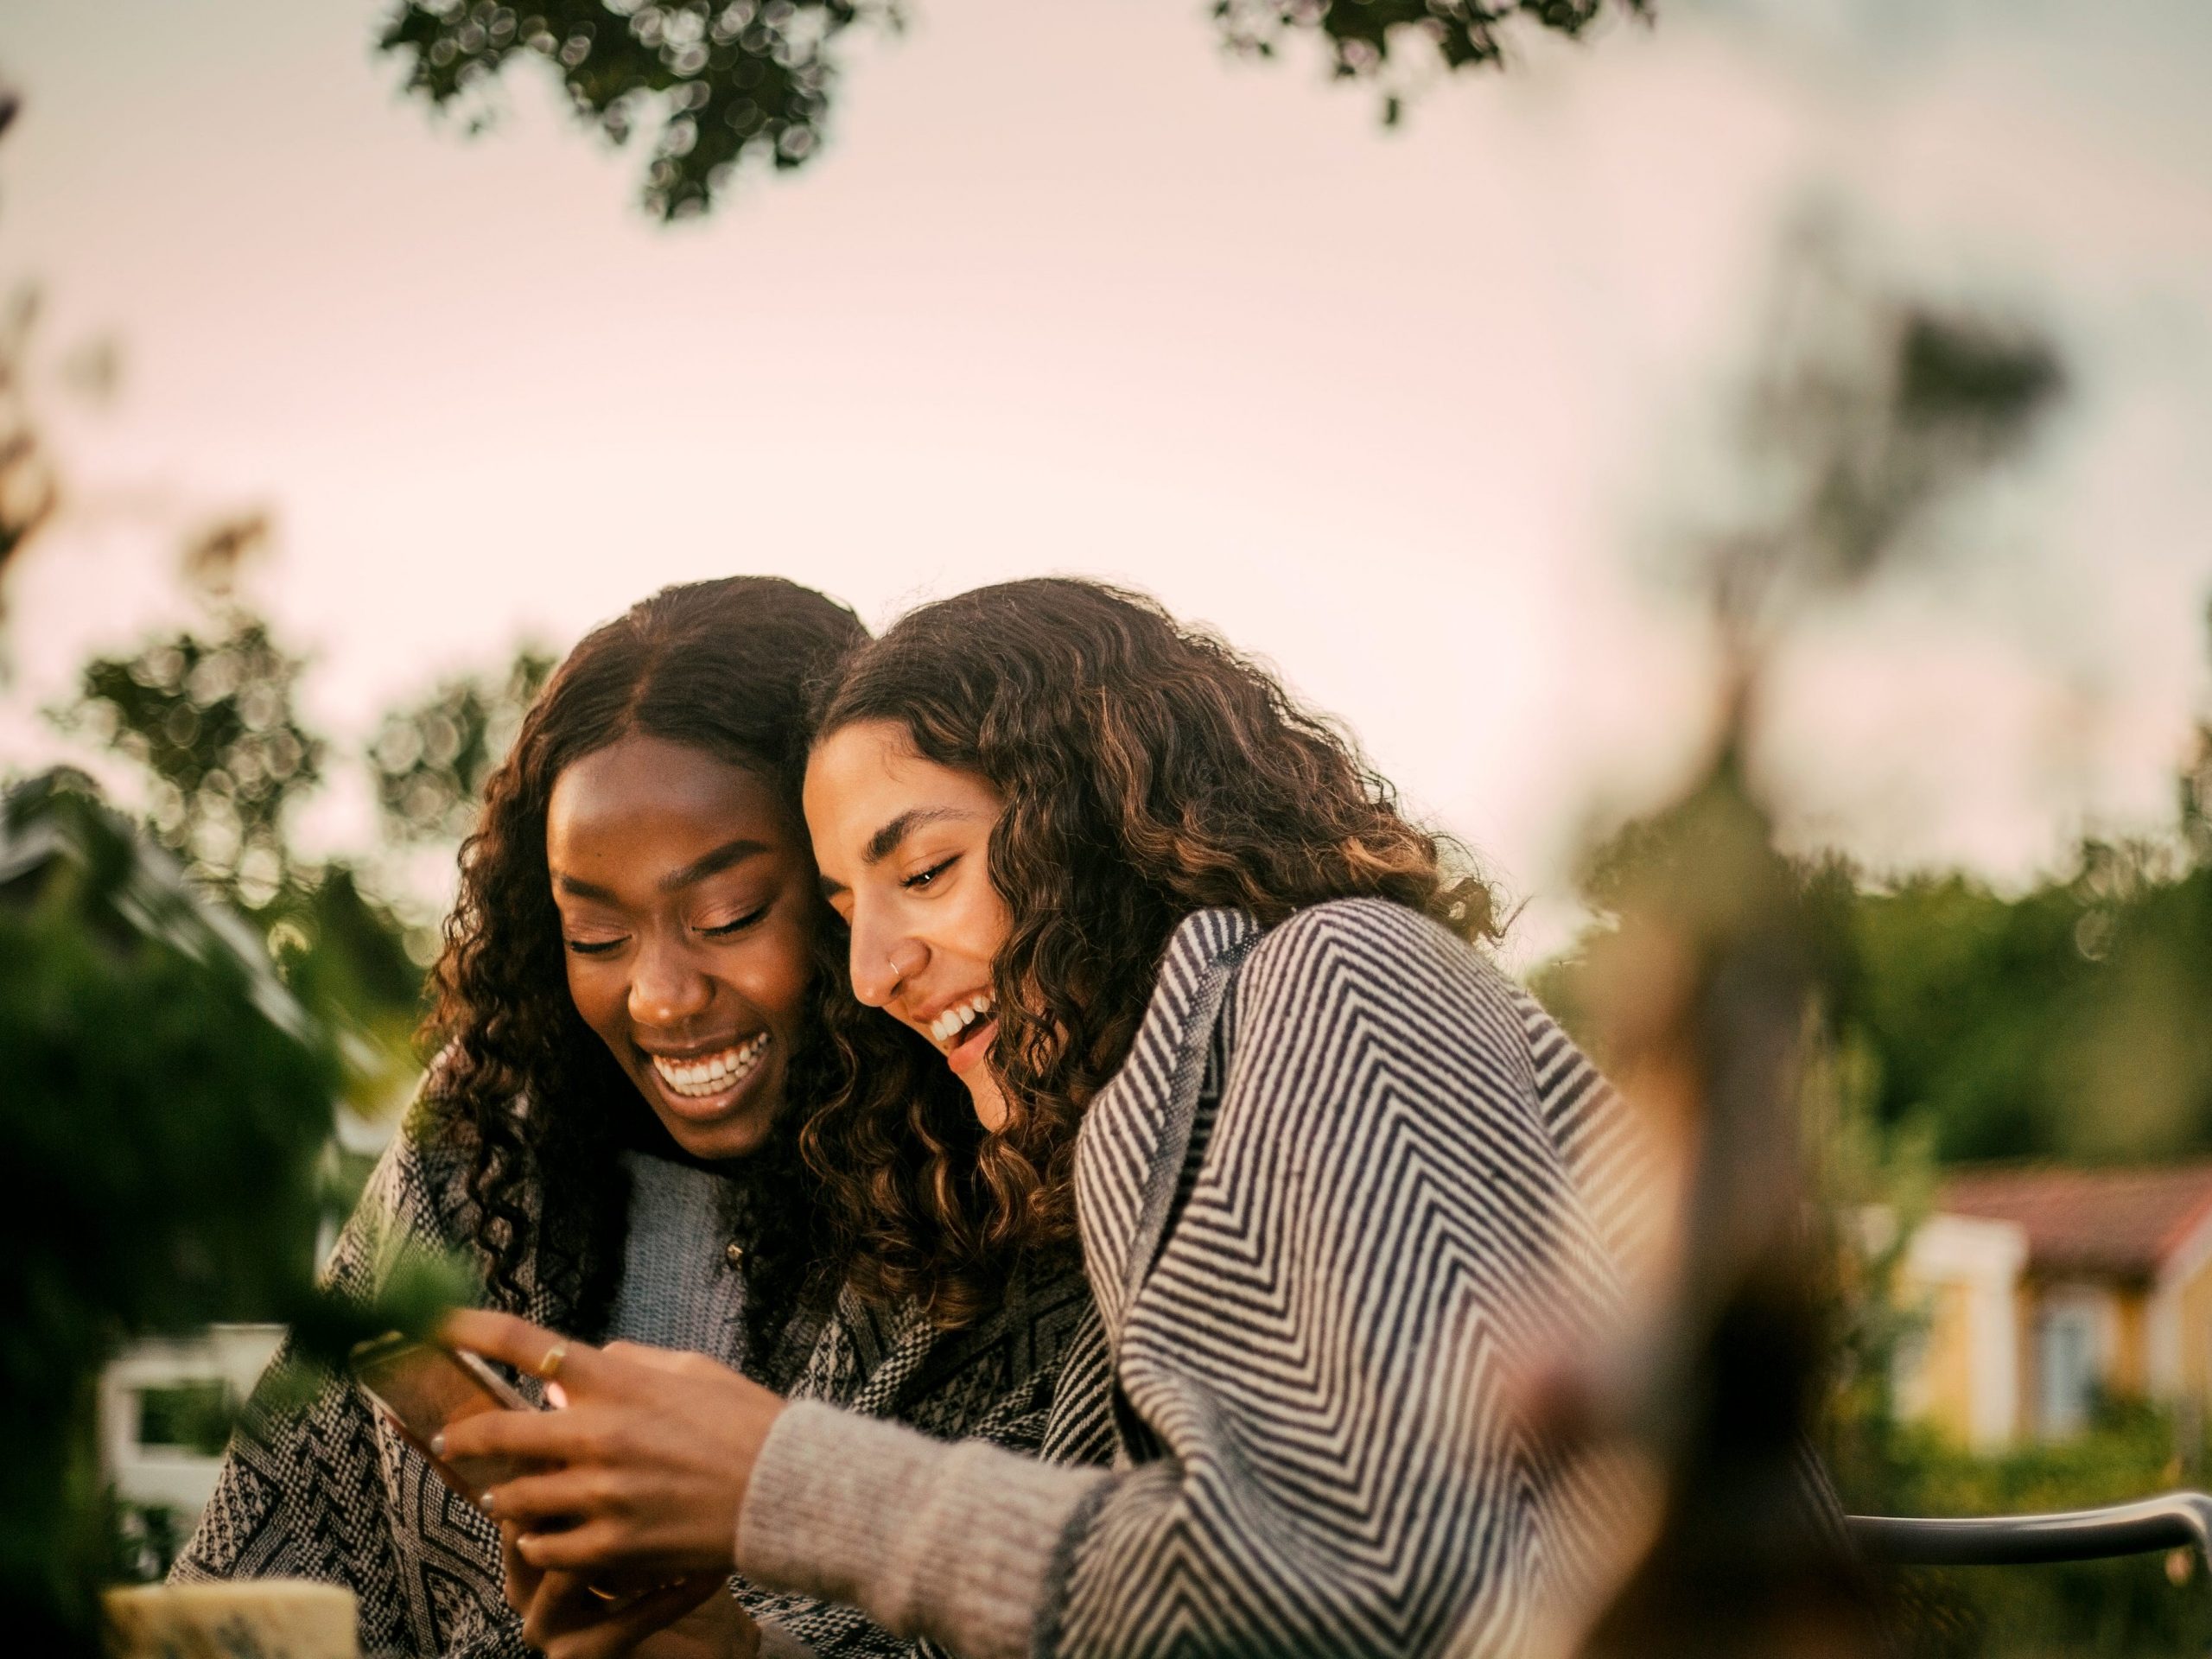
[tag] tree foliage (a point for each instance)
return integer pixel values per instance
(431, 758)
(156, 1075)
(212, 718)
(719, 83)
(723, 83)
(1364, 37)
(2063, 1022)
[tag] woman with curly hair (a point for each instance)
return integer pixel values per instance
(631, 1026)
(1215, 1010)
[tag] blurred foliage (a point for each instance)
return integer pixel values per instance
(29, 492)
(1722, 980)
(726, 83)
(1365, 38)
(165, 1126)
(2066, 1021)
(431, 759)
(30, 483)
(210, 718)
(1947, 1020)
(1700, 999)
(157, 1073)
(723, 83)
(166, 1149)
(1865, 414)
(1934, 1017)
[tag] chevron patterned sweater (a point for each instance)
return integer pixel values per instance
(1348, 1182)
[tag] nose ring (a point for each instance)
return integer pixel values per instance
(905, 959)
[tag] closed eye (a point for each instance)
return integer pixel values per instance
(923, 878)
(592, 947)
(723, 929)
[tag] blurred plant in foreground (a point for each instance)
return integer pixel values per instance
(1704, 984)
(167, 1109)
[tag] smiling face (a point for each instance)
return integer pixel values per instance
(687, 912)
(903, 846)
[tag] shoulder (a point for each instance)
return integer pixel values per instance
(1363, 999)
(419, 1187)
(1369, 923)
(1383, 952)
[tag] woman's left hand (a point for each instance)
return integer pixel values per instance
(562, 1617)
(654, 1450)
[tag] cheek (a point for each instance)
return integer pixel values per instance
(601, 995)
(984, 922)
(774, 971)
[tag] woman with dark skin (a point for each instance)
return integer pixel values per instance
(631, 1025)
(1338, 1184)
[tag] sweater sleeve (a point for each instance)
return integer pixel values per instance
(955, 1540)
(1382, 1236)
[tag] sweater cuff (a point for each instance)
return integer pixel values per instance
(956, 1541)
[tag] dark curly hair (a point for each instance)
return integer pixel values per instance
(526, 1091)
(1148, 770)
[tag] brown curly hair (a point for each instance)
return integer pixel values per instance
(520, 1085)
(1148, 770)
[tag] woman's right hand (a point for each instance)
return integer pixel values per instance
(564, 1618)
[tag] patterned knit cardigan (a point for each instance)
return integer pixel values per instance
(1402, 1186)
(323, 1489)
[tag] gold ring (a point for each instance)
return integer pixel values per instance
(550, 1367)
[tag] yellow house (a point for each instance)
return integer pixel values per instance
(2045, 1288)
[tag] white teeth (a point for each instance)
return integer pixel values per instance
(711, 1073)
(958, 1018)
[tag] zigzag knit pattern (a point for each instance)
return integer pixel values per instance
(1409, 1187)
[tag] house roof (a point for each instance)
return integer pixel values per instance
(2110, 1221)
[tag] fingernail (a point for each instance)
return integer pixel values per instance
(438, 1444)
(484, 1503)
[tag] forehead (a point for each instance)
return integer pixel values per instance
(864, 775)
(643, 793)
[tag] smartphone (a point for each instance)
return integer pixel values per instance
(421, 1388)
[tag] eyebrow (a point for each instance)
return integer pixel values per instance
(886, 841)
(713, 863)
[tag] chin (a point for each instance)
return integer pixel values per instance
(739, 1137)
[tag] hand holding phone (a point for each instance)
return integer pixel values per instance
(422, 1388)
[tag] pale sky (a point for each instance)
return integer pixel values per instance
(1414, 414)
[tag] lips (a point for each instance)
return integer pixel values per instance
(967, 1052)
